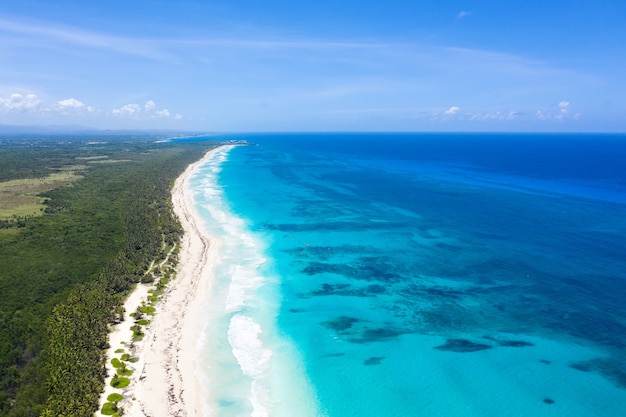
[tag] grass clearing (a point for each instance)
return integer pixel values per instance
(9, 232)
(20, 198)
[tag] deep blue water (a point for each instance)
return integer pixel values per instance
(428, 274)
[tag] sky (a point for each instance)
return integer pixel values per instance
(288, 65)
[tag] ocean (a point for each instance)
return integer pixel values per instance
(416, 275)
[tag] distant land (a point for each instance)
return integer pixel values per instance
(85, 130)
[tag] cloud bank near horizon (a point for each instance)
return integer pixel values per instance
(30, 103)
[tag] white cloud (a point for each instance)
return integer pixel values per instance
(31, 103)
(496, 115)
(71, 106)
(513, 115)
(149, 110)
(127, 110)
(562, 112)
(71, 103)
(452, 110)
(20, 102)
(35, 110)
(462, 14)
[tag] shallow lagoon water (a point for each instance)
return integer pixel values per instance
(386, 275)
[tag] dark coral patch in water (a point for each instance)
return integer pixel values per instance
(462, 345)
(333, 289)
(610, 368)
(333, 355)
(581, 366)
(376, 289)
(325, 252)
(314, 268)
(448, 317)
(375, 268)
(347, 290)
(341, 324)
(548, 400)
(377, 335)
(514, 343)
(508, 343)
(445, 292)
(366, 268)
(337, 226)
(374, 360)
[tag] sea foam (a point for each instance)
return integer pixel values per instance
(253, 358)
(243, 355)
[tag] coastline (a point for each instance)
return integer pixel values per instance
(164, 380)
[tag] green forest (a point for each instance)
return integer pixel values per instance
(65, 270)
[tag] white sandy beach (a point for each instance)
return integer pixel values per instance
(164, 382)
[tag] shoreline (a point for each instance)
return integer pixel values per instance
(164, 380)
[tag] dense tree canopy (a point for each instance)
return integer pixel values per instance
(62, 274)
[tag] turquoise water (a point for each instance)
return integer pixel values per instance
(422, 275)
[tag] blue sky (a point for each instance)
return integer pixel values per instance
(315, 66)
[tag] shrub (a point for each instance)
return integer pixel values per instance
(108, 409)
(115, 397)
(120, 382)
